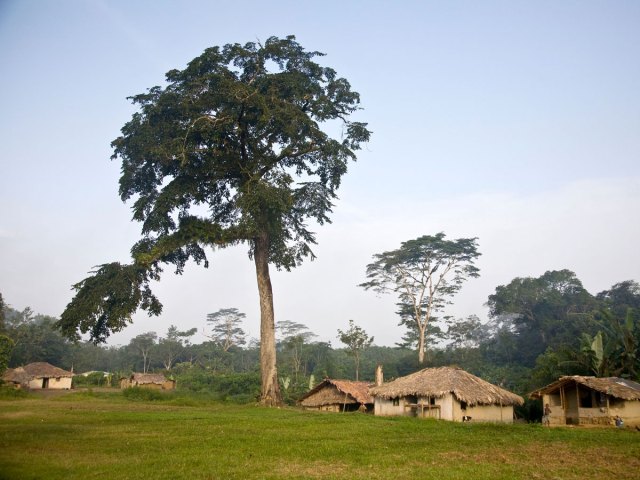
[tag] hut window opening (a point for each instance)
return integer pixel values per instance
(396, 402)
(463, 405)
(412, 399)
(586, 400)
(602, 400)
(432, 400)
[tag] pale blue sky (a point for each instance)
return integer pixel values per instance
(516, 122)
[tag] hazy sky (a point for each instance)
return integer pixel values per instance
(514, 122)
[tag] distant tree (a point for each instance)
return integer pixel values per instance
(2, 314)
(236, 133)
(466, 333)
(6, 344)
(6, 347)
(225, 328)
(621, 297)
(143, 344)
(35, 339)
(356, 340)
(548, 311)
(173, 345)
(425, 273)
(293, 339)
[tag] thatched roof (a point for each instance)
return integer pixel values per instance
(16, 375)
(358, 391)
(34, 370)
(613, 386)
(147, 378)
(438, 382)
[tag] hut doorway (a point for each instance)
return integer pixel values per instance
(45, 382)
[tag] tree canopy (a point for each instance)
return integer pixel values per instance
(424, 273)
(356, 339)
(547, 311)
(226, 328)
(230, 151)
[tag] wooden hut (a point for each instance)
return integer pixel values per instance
(446, 393)
(148, 380)
(578, 400)
(39, 375)
(338, 396)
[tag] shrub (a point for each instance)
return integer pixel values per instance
(232, 387)
(144, 394)
(95, 379)
(8, 392)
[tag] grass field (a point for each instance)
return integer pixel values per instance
(105, 435)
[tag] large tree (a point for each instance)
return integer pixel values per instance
(230, 151)
(424, 273)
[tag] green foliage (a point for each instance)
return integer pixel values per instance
(94, 379)
(3, 306)
(356, 340)
(9, 392)
(536, 313)
(105, 301)
(225, 328)
(6, 348)
(233, 387)
(144, 394)
(295, 349)
(35, 339)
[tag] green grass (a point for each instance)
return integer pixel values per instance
(106, 435)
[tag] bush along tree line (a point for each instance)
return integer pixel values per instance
(538, 329)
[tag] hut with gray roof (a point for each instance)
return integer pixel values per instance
(583, 400)
(446, 393)
(338, 396)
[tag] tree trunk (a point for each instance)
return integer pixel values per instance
(270, 393)
(421, 346)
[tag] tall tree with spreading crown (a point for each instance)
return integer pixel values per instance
(236, 134)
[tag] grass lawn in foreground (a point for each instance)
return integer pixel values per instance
(80, 436)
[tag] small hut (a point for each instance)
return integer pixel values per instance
(578, 400)
(338, 396)
(38, 376)
(155, 381)
(446, 393)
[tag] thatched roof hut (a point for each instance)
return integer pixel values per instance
(147, 380)
(39, 375)
(438, 382)
(580, 400)
(337, 395)
(613, 386)
(446, 393)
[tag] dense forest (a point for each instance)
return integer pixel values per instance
(538, 329)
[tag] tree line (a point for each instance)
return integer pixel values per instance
(538, 329)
